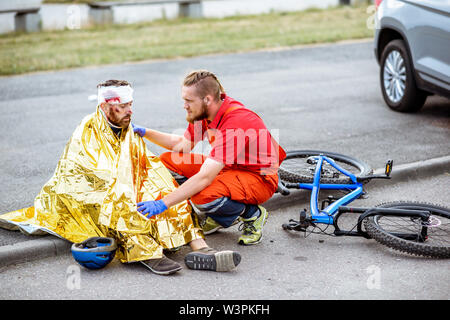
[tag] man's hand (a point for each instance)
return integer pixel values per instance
(151, 208)
(139, 130)
(199, 181)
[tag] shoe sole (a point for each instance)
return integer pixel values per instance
(218, 228)
(163, 273)
(221, 261)
(241, 242)
(212, 230)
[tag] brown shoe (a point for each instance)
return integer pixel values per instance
(163, 266)
(209, 259)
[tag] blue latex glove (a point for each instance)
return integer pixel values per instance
(151, 208)
(139, 130)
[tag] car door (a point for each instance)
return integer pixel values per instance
(429, 40)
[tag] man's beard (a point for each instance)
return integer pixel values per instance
(123, 122)
(203, 115)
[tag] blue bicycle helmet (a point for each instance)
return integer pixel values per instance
(95, 252)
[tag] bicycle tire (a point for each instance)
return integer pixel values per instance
(432, 247)
(289, 173)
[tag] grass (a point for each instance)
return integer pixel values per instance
(22, 53)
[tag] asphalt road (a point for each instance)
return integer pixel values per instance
(321, 97)
(324, 98)
(285, 265)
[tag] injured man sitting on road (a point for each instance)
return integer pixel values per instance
(103, 174)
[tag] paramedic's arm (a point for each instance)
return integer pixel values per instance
(169, 141)
(209, 170)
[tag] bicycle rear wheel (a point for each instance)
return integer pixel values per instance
(295, 168)
(387, 230)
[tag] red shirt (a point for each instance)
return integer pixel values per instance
(238, 138)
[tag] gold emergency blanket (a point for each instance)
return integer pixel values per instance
(94, 191)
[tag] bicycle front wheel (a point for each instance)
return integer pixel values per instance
(296, 167)
(411, 234)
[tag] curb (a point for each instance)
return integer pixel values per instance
(33, 250)
(419, 169)
(52, 246)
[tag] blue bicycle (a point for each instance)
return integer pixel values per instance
(412, 227)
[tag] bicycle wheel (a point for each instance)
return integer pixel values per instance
(296, 168)
(437, 242)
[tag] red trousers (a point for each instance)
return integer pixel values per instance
(239, 185)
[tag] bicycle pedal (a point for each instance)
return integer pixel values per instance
(388, 167)
(292, 225)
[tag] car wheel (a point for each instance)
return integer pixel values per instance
(397, 79)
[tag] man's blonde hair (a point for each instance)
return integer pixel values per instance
(205, 83)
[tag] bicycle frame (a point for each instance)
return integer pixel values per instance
(384, 222)
(326, 215)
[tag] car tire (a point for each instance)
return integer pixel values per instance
(397, 82)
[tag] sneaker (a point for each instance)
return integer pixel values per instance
(210, 226)
(163, 266)
(252, 228)
(210, 259)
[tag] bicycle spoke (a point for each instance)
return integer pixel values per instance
(300, 165)
(403, 225)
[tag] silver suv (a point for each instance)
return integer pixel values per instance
(412, 46)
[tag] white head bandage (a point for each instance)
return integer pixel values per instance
(115, 95)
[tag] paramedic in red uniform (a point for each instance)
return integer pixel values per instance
(240, 172)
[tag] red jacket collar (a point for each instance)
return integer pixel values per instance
(227, 102)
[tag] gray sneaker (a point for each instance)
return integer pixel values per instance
(163, 266)
(210, 259)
